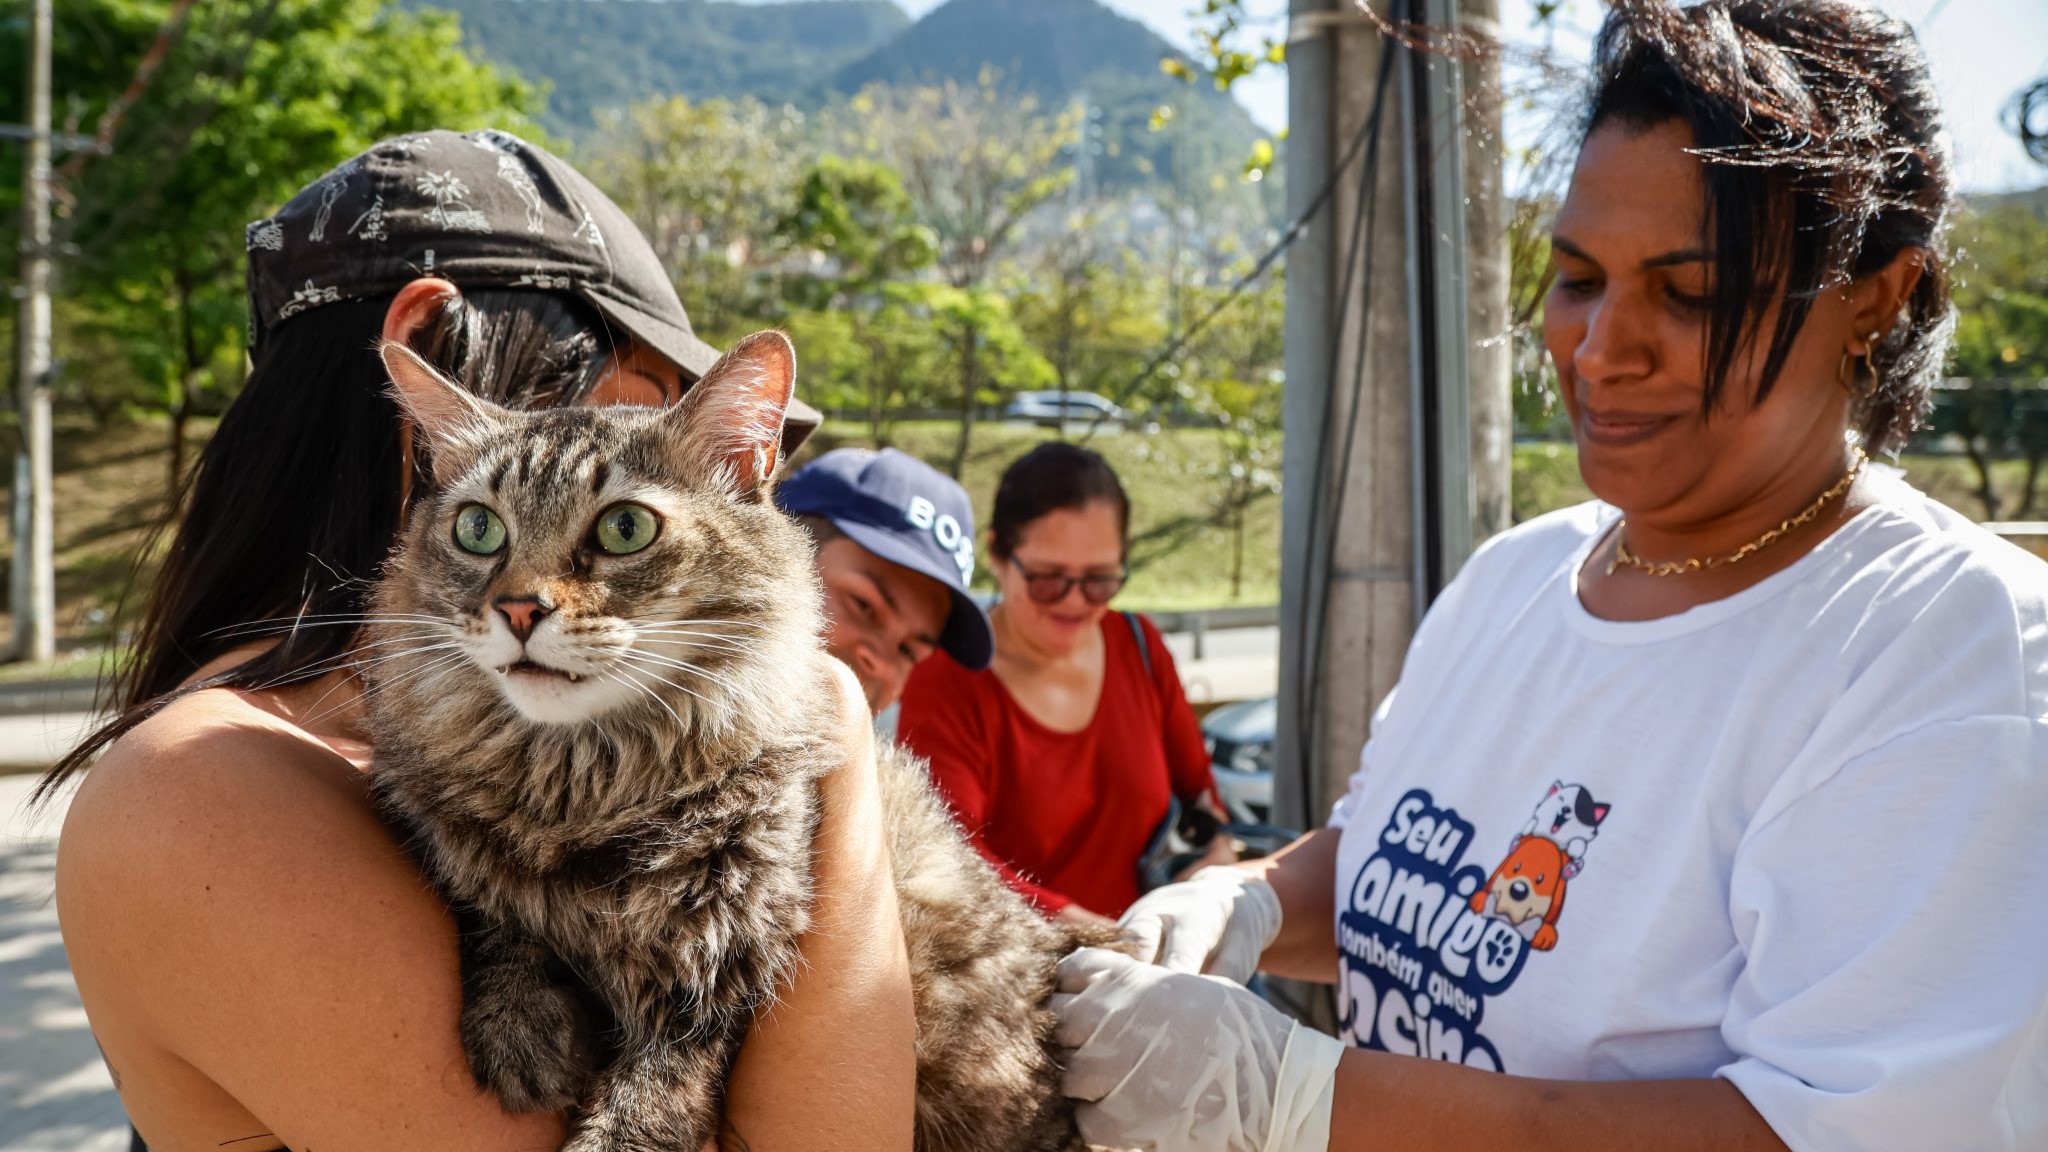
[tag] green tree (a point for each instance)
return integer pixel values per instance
(980, 338)
(859, 232)
(1233, 377)
(252, 100)
(977, 163)
(2002, 289)
(2001, 345)
(1091, 304)
(710, 182)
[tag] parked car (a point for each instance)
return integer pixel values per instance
(1240, 740)
(1054, 409)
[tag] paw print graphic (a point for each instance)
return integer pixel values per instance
(1500, 949)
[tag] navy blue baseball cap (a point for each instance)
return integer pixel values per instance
(907, 512)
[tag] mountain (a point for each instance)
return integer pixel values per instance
(602, 54)
(1049, 47)
(611, 54)
(1065, 50)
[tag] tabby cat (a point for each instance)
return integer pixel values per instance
(595, 692)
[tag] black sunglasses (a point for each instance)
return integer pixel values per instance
(1052, 587)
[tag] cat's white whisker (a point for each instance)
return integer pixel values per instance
(678, 630)
(692, 640)
(634, 659)
(692, 669)
(438, 664)
(283, 625)
(369, 690)
(696, 622)
(339, 617)
(651, 694)
(356, 661)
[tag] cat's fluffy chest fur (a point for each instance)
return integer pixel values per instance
(596, 696)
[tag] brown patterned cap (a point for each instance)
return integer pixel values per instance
(482, 210)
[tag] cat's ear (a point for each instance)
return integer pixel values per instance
(443, 412)
(733, 416)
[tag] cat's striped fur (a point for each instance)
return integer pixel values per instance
(629, 851)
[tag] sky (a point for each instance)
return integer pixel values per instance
(1982, 52)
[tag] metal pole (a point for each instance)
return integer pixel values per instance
(1396, 417)
(1347, 524)
(1490, 344)
(1432, 112)
(1309, 156)
(35, 595)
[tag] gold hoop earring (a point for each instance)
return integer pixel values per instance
(1870, 364)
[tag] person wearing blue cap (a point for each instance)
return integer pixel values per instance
(895, 553)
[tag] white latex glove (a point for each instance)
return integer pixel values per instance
(1177, 1062)
(1219, 921)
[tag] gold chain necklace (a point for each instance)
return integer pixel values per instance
(1623, 558)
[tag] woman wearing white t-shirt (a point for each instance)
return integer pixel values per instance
(1776, 723)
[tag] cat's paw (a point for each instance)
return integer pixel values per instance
(596, 1134)
(533, 1050)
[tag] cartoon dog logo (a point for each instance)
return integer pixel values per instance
(1528, 888)
(1527, 891)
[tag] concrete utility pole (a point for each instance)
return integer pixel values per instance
(1396, 411)
(1491, 355)
(34, 587)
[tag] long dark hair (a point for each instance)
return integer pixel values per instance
(1821, 134)
(295, 501)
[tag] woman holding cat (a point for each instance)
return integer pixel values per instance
(261, 962)
(1773, 720)
(1065, 754)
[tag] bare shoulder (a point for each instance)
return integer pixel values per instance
(211, 761)
(244, 932)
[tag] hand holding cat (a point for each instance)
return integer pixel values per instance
(1220, 921)
(1180, 1062)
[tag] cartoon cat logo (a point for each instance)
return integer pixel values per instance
(1528, 888)
(1568, 817)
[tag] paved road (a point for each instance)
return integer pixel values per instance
(1236, 664)
(55, 1095)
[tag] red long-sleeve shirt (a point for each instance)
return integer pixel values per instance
(1064, 816)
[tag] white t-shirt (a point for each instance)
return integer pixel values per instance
(1804, 833)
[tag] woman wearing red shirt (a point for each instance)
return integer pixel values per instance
(1060, 759)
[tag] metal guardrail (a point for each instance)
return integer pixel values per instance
(2029, 534)
(1200, 624)
(43, 697)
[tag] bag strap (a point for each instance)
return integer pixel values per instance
(1144, 649)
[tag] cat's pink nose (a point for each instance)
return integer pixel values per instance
(523, 613)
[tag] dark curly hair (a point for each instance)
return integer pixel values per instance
(1824, 159)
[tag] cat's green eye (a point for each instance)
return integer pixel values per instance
(478, 530)
(624, 528)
